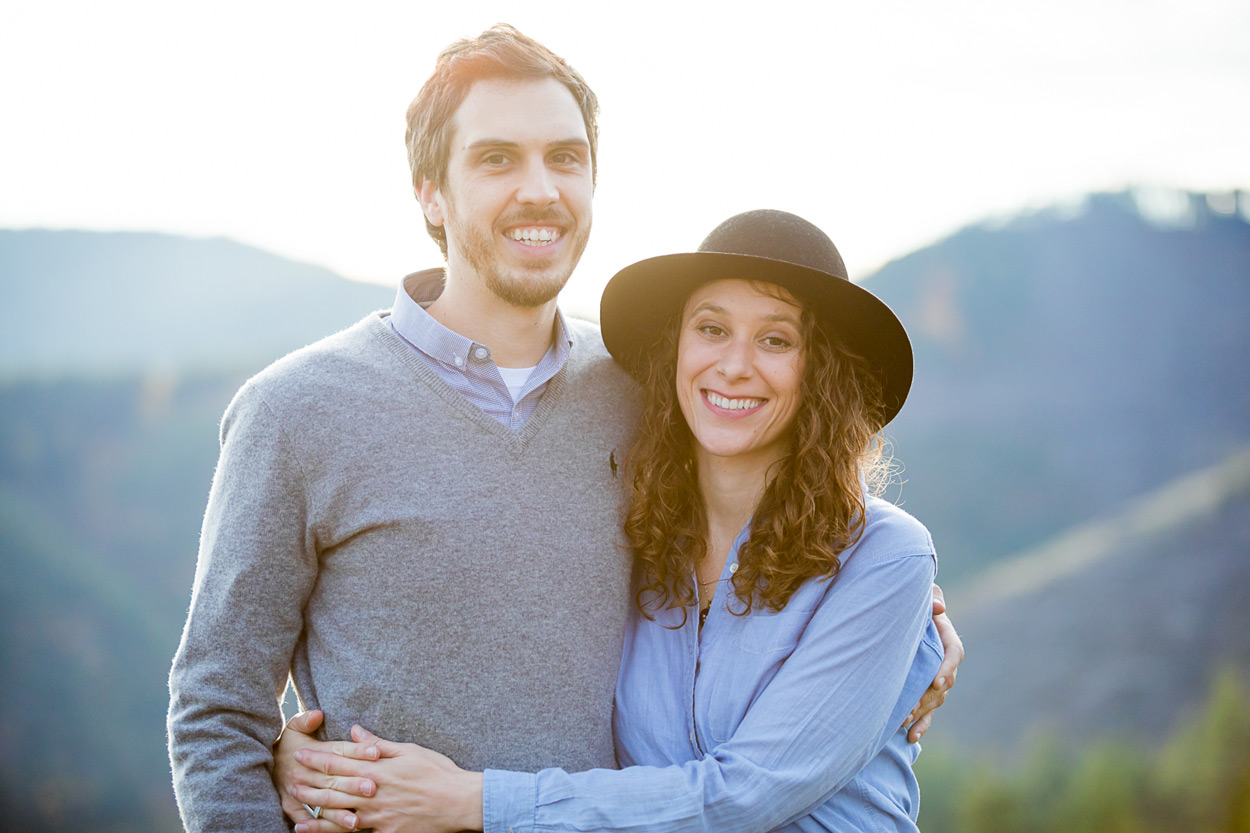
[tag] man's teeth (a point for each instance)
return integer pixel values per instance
(535, 236)
(733, 404)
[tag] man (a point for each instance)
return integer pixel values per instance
(418, 518)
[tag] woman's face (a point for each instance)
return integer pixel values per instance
(740, 368)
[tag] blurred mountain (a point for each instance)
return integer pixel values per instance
(1067, 361)
(102, 486)
(1117, 627)
(79, 302)
(1074, 367)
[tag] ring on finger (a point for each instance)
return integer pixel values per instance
(315, 812)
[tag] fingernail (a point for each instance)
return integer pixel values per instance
(300, 755)
(301, 828)
(911, 718)
(351, 822)
(941, 681)
(366, 788)
(291, 789)
(371, 751)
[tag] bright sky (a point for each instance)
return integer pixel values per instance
(888, 124)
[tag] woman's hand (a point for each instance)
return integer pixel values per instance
(922, 715)
(393, 787)
(289, 773)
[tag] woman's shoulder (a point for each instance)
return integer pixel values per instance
(890, 532)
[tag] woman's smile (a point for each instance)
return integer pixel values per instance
(739, 369)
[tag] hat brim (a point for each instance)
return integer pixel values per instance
(639, 299)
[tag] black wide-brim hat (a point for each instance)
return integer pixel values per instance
(773, 247)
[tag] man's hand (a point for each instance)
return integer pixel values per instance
(922, 715)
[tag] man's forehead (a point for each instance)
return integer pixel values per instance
(514, 111)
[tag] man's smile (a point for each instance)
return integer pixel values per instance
(534, 235)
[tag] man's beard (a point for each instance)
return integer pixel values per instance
(523, 288)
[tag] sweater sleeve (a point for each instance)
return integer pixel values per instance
(829, 710)
(257, 565)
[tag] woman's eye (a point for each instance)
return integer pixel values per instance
(711, 330)
(777, 342)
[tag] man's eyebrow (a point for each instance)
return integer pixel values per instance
(484, 144)
(508, 144)
(576, 141)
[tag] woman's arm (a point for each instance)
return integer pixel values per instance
(828, 711)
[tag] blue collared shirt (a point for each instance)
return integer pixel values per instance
(465, 364)
(774, 720)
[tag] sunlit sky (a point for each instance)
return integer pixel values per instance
(888, 124)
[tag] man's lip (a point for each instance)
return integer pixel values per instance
(556, 233)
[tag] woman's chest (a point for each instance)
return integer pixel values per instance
(682, 692)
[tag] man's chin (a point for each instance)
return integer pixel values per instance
(527, 290)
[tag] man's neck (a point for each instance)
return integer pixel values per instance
(516, 336)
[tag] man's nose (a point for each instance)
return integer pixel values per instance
(537, 186)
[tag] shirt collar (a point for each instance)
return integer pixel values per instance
(410, 319)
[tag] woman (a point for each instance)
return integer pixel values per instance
(783, 615)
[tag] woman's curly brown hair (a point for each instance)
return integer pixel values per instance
(812, 509)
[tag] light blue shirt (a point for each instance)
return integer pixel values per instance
(787, 720)
(465, 364)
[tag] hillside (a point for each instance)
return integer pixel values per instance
(102, 486)
(1067, 361)
(1117, 627)
(88, 302)
(1073, 368)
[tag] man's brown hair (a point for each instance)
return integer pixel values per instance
(501, 52)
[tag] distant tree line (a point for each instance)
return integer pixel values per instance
(1198, 781)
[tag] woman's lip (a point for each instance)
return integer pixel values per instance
(731, 412)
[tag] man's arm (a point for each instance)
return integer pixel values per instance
(922, 715)
(256, 568)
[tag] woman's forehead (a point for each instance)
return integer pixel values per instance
(744, 295)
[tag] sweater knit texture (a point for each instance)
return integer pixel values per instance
(412, 564)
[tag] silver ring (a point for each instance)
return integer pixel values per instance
(315, 811)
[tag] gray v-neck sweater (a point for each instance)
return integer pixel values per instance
(415, 566)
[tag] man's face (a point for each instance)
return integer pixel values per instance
(516, 201)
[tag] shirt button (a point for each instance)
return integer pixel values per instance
(733, 568)
(459, 361)
(481, 352)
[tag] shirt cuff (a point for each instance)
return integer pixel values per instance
(509, 800)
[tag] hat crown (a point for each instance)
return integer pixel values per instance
(776, 235)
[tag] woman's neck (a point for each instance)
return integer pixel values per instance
(731, 488)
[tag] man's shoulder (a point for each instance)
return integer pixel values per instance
(589, 351)
(585, 335)
(333, 361)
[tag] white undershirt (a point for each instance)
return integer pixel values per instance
(515, 378)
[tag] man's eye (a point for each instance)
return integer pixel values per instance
(496, 159)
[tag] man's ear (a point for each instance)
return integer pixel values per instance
(430, 197)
